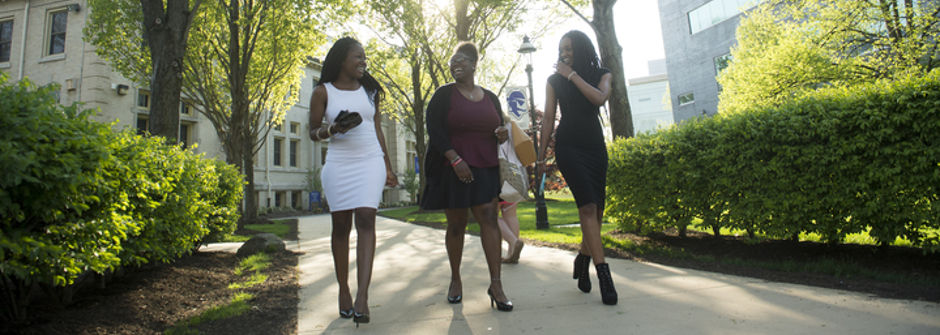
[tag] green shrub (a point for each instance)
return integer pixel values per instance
(834, 162)
(78, 199)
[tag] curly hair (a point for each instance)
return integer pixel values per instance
(469, 49)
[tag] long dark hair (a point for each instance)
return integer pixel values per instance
(584, 58)
(334, 63)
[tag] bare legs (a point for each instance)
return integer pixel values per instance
(365, 254)
(509, 227)
(509, 224)
(591, 244)
(485, 215)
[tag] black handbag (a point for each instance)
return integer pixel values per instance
(347, 120)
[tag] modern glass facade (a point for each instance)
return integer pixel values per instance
(716, 11)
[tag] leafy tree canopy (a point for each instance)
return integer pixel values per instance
(788, 47)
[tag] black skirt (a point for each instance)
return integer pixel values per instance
(445, 191)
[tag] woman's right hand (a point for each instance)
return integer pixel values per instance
(462, 170)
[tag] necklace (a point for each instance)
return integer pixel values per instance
(469, 95)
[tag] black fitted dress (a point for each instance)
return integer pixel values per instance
(580, 151)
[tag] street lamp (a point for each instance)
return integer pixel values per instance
(541, 214)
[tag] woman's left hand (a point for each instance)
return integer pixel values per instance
(391, 180)
(502, 134)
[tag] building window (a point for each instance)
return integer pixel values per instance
(411, 155)
(57, 24)
(716, 11)
(6, 40)
(295, 128)
(277, 151)
(143, 99)
(186, 108)
(722, 62)
(186, 134)
(143, 124)
(278, 199)
(686, 99)
(279, 126)
(297, 199)
(294, 144)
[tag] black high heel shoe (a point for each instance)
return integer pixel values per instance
(581, 263)
(360, 318)
(346, 314)
(608, 293)
(502, 306)
(454, 299)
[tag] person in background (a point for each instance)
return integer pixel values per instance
(509, 226)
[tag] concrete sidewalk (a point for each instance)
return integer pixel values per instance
(411, 274)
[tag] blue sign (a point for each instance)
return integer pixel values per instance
(314, 197)
(516, 102)
(417, 166)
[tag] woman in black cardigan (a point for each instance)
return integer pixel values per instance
(465, 125)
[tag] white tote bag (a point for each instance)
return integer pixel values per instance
(512, 174)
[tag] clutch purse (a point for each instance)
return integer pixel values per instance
(347, 119)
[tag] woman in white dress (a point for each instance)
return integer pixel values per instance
(357, 167)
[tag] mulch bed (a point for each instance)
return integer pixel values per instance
(153, 298)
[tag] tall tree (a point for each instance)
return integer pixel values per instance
(243, 67)
(248, 70)
(621, 119)
(786, 48)
(163, 26)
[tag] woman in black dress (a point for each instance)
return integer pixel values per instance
(580, 86)
(464, 123)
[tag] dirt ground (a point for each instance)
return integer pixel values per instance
(152, 299)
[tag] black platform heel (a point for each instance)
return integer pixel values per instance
(360, 318)
(346, 314)
(581, 263)
(502, 306)
(608, 293)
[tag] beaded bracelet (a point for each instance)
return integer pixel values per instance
(456, 161)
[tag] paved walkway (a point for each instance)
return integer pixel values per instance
(411, 275)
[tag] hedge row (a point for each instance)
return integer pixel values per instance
(77, 198)
(835, 162)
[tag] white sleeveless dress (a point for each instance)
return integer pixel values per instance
(354, 173)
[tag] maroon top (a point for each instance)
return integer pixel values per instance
(472, 127)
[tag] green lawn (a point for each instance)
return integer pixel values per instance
(560, 212)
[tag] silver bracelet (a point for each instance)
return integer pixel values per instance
(571, 74)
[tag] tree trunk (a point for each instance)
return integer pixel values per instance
(417, 108)
(251, 198)
(165, 32)
(463, 22)
(621, 119)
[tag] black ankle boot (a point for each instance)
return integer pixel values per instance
(608, 293)
(581, 263)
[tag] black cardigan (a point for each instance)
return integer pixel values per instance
(436, 123)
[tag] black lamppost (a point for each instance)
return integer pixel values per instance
(541, 213)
